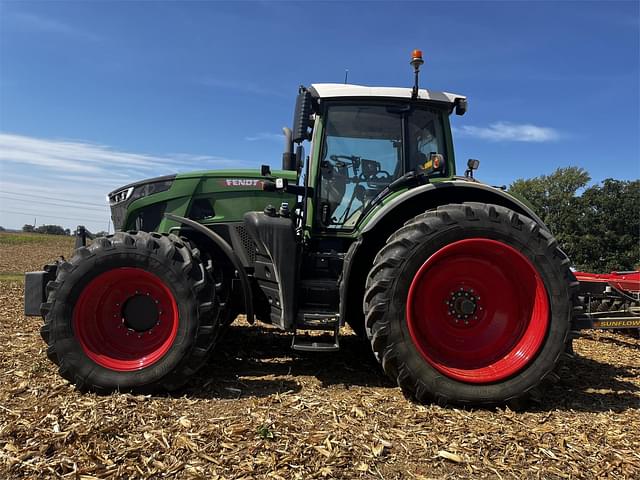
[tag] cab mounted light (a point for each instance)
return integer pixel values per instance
(460, 105)
(472, 164)
(435, 161)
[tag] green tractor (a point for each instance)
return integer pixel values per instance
(461, 290)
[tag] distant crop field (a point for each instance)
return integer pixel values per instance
(24, 252)
(260, 410)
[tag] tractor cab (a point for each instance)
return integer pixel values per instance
(367, 145)
(367, 138)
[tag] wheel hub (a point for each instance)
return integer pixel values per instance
(463, 305)
(140, 313)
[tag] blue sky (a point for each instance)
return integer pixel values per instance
(96, 94)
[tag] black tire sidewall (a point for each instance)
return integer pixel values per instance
(409, 359)
(69, 350)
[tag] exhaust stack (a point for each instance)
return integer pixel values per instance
(288, 158)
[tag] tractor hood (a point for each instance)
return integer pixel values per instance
(207, 196)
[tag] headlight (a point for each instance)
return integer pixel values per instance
(119, 196)
(133, 192)
(151, 188)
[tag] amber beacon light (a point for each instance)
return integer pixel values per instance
(416, 61)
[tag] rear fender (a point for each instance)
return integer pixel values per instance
(432, 195)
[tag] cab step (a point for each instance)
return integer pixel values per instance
(314, 343)
(317, 321)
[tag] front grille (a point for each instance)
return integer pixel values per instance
(247, 242)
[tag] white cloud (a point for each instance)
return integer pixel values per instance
(510, 132)
(90, 158)
(258, 137)
(33, 170)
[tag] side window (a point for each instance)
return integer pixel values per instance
(361, 155)
(425, 136)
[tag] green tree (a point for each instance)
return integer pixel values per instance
(599, 229)
(28, 228)
(555, 199)
(51, 229)
(610, 237)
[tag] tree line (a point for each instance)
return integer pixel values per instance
(47, 229)
(598, 226)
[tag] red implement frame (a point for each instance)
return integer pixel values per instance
(611, 300)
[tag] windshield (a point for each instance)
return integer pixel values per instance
(364, 150)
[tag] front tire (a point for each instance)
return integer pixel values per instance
(135, 311)
(469, 304)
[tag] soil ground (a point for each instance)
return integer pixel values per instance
(259, 410)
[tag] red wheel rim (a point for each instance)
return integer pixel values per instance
(478, 311)
(118, 336)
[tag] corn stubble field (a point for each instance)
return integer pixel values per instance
(258, 410)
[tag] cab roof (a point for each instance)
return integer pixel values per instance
(337, 90)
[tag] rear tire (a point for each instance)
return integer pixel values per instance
(135, 311)
(469, 304)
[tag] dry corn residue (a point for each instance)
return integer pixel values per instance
(259, 410)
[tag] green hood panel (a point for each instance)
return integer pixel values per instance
(226, 195)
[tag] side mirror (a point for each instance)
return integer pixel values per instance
(460, 106)
(302, 116)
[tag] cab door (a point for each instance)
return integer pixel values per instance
(361, 153)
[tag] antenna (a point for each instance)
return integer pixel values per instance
(346, 75)
(416, 61)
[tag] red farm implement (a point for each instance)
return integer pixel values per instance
(611, 300)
